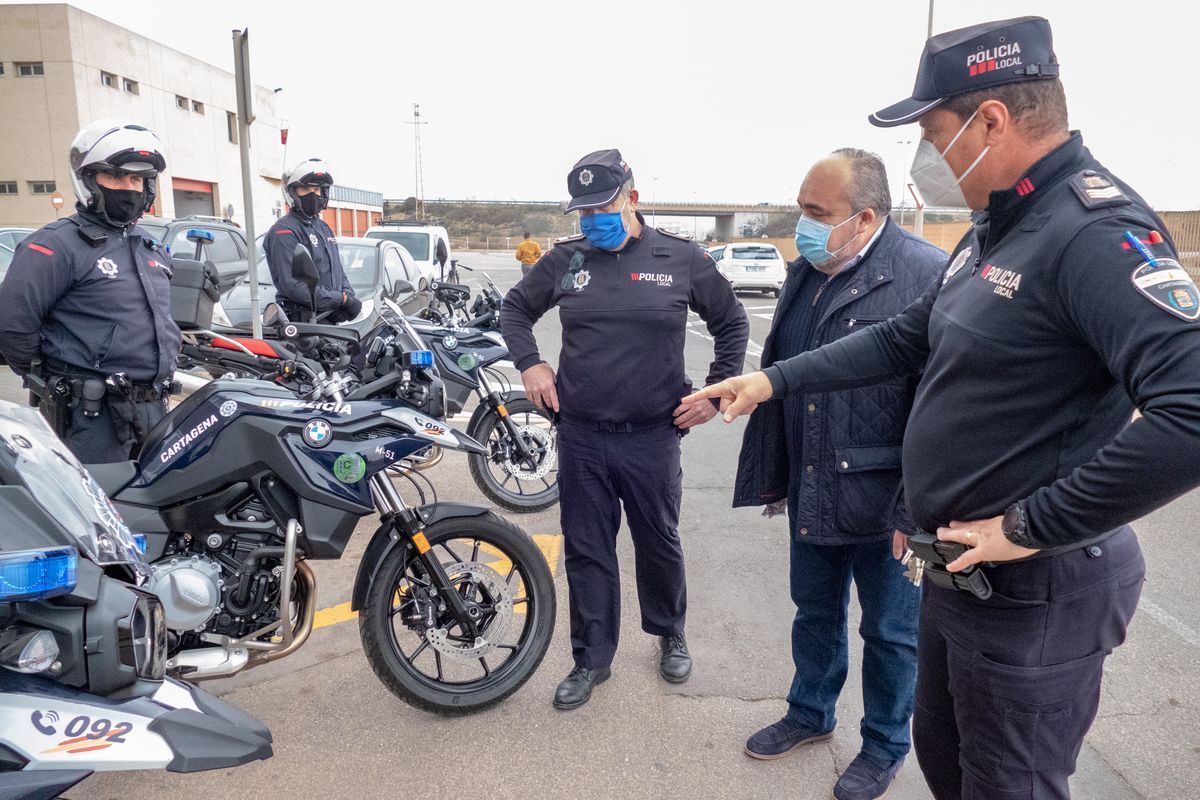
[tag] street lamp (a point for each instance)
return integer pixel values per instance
(654, 202)
(900, 185)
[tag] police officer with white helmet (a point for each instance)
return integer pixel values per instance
(85, 309)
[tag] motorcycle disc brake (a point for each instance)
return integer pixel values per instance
(490, 584)
(539, 438)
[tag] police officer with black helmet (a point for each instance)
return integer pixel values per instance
(1061, 311)
(623, 290)
(85, 309)
(307, 187)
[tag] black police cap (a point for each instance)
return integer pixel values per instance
(596, 179)
(978, 57)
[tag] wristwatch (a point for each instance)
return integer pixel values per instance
(1016, 527)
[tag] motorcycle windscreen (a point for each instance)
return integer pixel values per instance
(32, 456)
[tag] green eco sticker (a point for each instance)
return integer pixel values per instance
(466, 361)
(349, 468)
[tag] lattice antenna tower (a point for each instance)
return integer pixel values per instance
(417, 167)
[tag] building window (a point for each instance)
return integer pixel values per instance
(181, 102)
(131, 86)
(30, 69)
(1, 69)
(197, 106)
(108, 79)
(42, 187)
(8, 187)
(231, 124)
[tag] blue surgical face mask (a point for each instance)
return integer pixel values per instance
(812, 239)
(606, 231)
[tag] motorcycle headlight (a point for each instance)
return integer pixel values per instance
(142, 638)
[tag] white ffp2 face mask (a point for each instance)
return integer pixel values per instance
(934, 178)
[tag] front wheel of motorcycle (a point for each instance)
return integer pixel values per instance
(423, 654)
(521, 485)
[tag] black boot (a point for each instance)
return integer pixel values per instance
(576, 688)
(675, 665)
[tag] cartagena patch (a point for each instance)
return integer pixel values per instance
(1169, 287)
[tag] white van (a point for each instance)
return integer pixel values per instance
(420, 240)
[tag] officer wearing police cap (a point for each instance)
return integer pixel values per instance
(1061, 311)
(623, 290)
(86, 303)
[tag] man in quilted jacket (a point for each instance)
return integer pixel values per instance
(833, 460)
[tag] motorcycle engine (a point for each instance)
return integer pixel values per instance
(189, 587)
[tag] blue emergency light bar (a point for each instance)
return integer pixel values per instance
(37, 574)
(139, 539)
(418, 358)
(199, 234)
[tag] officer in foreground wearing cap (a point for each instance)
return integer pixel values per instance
(623, 290)
(1060, 312)
(86, 304)
(307, 186)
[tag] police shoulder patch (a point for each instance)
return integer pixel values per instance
(1169, 287)
(673, 234)
(1096, 190)
(574, 238)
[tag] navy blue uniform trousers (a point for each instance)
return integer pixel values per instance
(599, 471)
(113, 435)
(1008, 687)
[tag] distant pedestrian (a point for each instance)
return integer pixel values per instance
(528, 252)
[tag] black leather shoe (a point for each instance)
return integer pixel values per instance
(780, 739)
(675, 665)
(576, 688)
(866, 778)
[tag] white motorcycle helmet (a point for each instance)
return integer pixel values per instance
(310, 172)
(114, 146)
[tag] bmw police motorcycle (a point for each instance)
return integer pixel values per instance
(83, 646)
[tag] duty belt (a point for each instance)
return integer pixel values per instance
(934, 555)
(117, 383)
(612, 427)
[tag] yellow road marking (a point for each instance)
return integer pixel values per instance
(549, 543)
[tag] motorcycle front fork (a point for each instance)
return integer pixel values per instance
(495, 400)
(407, 525)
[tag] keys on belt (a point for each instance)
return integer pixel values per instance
(927, 556)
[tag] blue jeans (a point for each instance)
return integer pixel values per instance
(890, 606)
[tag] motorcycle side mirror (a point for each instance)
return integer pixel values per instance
(273, 315)
(305, 271)
(403, 287)
(441, 254)
(303, 268)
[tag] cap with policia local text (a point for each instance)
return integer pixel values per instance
(596, 179)
(978, 57)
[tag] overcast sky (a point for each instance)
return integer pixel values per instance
(719, 101)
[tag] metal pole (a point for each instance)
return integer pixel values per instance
(245, 89)
(929, 32)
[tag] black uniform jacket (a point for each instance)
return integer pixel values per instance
(280, 243)
(624, 320)
(1045, 333)
(102, 305)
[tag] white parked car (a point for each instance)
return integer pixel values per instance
(420, 240)
(750, 265)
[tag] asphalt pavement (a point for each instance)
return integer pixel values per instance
(340, 733)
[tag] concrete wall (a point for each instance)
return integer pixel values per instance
(75, 48)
